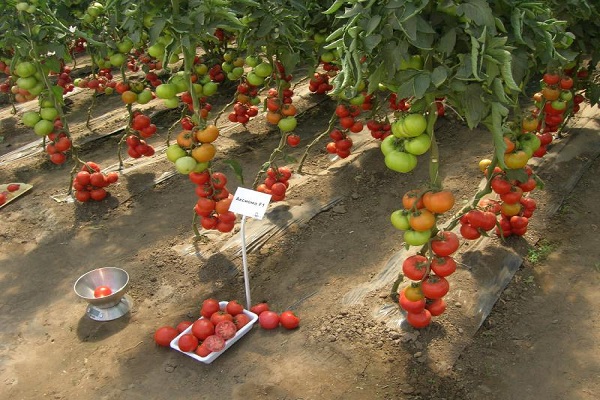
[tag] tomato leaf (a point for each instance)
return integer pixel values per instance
(517, 174)
(236, 167)
(439, 76)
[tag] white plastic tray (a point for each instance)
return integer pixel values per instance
(228, 343)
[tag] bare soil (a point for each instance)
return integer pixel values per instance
(310, 254)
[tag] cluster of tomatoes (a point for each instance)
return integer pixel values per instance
(58, 144)
(102, 83)
(6, 83)
(347, 114)
(213, 201)
(280, 110)
(379, 129)
(269, 319)
(397, 104)
(409, 139)
(242, 112)
(64, 79)
(514, 209)
(319, 83)
(90, 183)
(10, 188)
(216, 73)
(137, 147)
(276, 183)
(423, 297)
(143, 125)
(208, 334)
(152, 78)
(78, 46)
(418, 217)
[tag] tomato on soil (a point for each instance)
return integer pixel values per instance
(289, 320)
(268, 319)
(259, 308)
(164, 335)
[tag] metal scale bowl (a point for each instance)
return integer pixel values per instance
(106, 308)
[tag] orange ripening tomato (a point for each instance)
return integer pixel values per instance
(411, 199)
(208, 134)
(421, 220)
(438, 202)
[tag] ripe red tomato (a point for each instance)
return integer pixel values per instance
(241, 320)
(436, 307)
(209, 307)
(214, 343)
(289, 320)
(268, 319)
(419, 320)
(183, 325)
(469, 232)
(443, 266)
(225, 329)
(188, 342)
(410, 305)
(202, 350)
(203, 328)
(102, 291)
(513, 196)
(13, 187)
(415, 267)
(234, 308)
(164, 335)
(259, 308)
(293, 140)
(435, 287)
(219, 316)
(445, 243)
(500, 185)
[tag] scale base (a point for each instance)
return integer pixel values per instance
(110, 313)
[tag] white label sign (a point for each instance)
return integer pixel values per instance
(250, 203)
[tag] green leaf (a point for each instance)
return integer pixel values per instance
(447, 42)
(236, 167)
(373, 24)
(517, 175)
(439, 76)
(478, 11)
(474, 105)
(334, 7)
(371, 41)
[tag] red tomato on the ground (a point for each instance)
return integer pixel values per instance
(164, 335)
(102, 291)
(259, 308)
(225, 329)
(203, 328)
(268, 319)
(289, 320)
(214, 343)
(188, 342)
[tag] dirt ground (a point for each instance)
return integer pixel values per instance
(310, 254)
